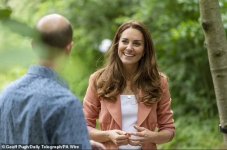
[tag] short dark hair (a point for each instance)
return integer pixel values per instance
(57, 39)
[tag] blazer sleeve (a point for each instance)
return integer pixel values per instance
(164, 112)
(91, 103)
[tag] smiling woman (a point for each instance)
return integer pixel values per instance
(129, 96)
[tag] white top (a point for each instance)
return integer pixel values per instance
(129, 109)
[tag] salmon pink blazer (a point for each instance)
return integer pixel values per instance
(157, 116)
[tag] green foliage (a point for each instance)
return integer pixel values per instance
(194, 134)
(5, 13)
(19, 27)
(12, 74)
(178, 39)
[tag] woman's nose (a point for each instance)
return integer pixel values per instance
(129, 46)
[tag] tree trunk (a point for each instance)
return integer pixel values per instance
(215, 41)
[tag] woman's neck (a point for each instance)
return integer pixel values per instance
(130, 71)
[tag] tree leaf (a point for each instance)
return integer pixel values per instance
(5, 13)
(19, 28)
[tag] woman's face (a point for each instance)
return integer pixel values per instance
(131, 47)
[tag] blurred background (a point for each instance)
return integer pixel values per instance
(178, 39)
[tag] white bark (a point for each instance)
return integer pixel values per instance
(216, 43)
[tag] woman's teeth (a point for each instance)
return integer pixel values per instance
(129, 55)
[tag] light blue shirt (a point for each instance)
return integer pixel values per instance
(40, 109)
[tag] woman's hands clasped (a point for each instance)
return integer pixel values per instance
(118, 137)
(138, 138)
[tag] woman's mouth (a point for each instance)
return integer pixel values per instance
(128, 55)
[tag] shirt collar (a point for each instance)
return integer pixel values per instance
(48, 73)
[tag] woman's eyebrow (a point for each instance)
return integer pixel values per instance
(133, 40)
(124, 38)
(138, 40)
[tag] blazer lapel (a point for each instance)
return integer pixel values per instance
(114, 109)
(143, 110)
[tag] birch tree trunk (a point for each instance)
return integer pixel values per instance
(215, 41)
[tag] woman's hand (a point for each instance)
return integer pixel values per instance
(141, 137)
(118, 137)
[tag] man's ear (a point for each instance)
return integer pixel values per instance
(68, 48)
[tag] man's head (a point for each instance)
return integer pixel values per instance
(55, 34)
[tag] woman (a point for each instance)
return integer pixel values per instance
(129, 97)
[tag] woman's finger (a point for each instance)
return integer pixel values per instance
(121, 132)
(140, 134)
(122, 142)
(135, 143)
(139, 128)
(137, 139)
(122, 137)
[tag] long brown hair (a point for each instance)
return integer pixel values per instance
(111, 81)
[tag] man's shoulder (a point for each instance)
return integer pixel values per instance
(12, 86)
(56, 95)
(48, 88)
(61, 97)
(41, 91)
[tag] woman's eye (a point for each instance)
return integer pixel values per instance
(124, 42)
(137, 44)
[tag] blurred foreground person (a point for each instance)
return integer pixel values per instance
(39, 107)
(129, 96)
